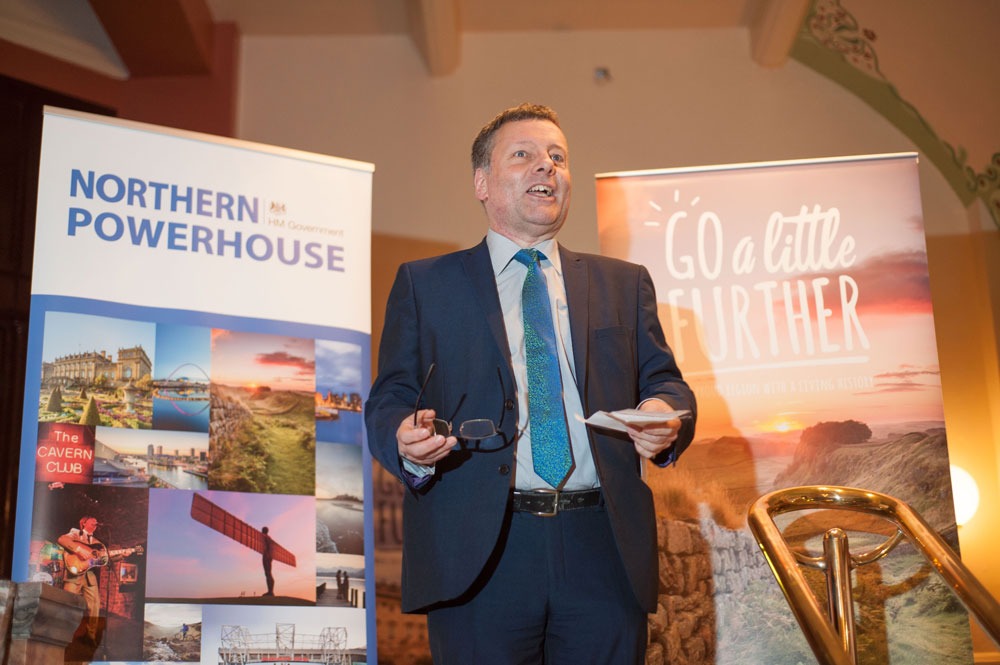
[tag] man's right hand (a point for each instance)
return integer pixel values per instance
(418, 442)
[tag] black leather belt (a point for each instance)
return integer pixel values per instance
(548, 503)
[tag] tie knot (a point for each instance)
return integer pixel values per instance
(528, 256)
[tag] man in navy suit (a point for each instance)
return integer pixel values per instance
(511, 568)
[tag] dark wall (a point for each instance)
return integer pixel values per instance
(30, 80)
(20, 140)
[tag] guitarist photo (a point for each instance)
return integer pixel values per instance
(83, 553)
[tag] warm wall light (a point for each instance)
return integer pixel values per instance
(966, 494)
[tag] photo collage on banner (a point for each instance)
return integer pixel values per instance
(796, 299)
(198, 358)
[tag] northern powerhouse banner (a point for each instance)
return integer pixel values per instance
(796, 298)
(199, 351)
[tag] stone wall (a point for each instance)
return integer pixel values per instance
(699, 561)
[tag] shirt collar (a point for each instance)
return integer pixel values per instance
(502, 251)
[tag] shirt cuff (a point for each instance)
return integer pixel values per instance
(416, 475)
(649, 399)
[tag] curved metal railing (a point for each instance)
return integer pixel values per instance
(832, 635)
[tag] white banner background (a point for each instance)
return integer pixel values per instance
(315, 198)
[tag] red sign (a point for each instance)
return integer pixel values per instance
(65, 453)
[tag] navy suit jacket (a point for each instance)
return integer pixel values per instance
(445, 310)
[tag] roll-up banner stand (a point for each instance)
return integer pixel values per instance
(192, 457)
(796, 298)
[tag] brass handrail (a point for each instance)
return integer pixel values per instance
(832, 637)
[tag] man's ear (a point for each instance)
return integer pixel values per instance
(479, 180)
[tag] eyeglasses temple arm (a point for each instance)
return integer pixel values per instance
(427, 377)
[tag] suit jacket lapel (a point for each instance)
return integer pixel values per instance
(576, 277)
(477, 265)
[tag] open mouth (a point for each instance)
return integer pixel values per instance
(541, 189)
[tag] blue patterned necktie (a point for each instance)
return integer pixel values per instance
(550, 449)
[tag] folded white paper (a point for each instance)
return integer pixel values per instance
(617, 420)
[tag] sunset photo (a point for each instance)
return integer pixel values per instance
(262, 434)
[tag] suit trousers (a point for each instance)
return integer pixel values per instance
(555, 593)
(86, 585)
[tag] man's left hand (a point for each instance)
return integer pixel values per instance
(652, 439)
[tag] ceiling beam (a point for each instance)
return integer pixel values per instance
(162, 38)
(773, 29)
(436, 31)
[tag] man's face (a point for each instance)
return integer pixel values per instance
(526, 190)
(90, 525)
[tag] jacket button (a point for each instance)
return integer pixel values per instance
(504, 469)
(509, 404)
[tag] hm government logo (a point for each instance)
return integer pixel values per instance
(277, 216)
(276, 213)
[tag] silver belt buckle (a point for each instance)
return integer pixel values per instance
(555, 502)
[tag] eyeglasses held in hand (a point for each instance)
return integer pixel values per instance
(470, 430)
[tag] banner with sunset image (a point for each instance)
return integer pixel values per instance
(796, 298)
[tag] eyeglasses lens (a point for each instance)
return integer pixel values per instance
(442, 427)
(476, 429)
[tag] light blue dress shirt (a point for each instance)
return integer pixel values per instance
(509, 276)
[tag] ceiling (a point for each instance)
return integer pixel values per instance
(301, 17)
(928, 67)
(436, 26)
(127, 39)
